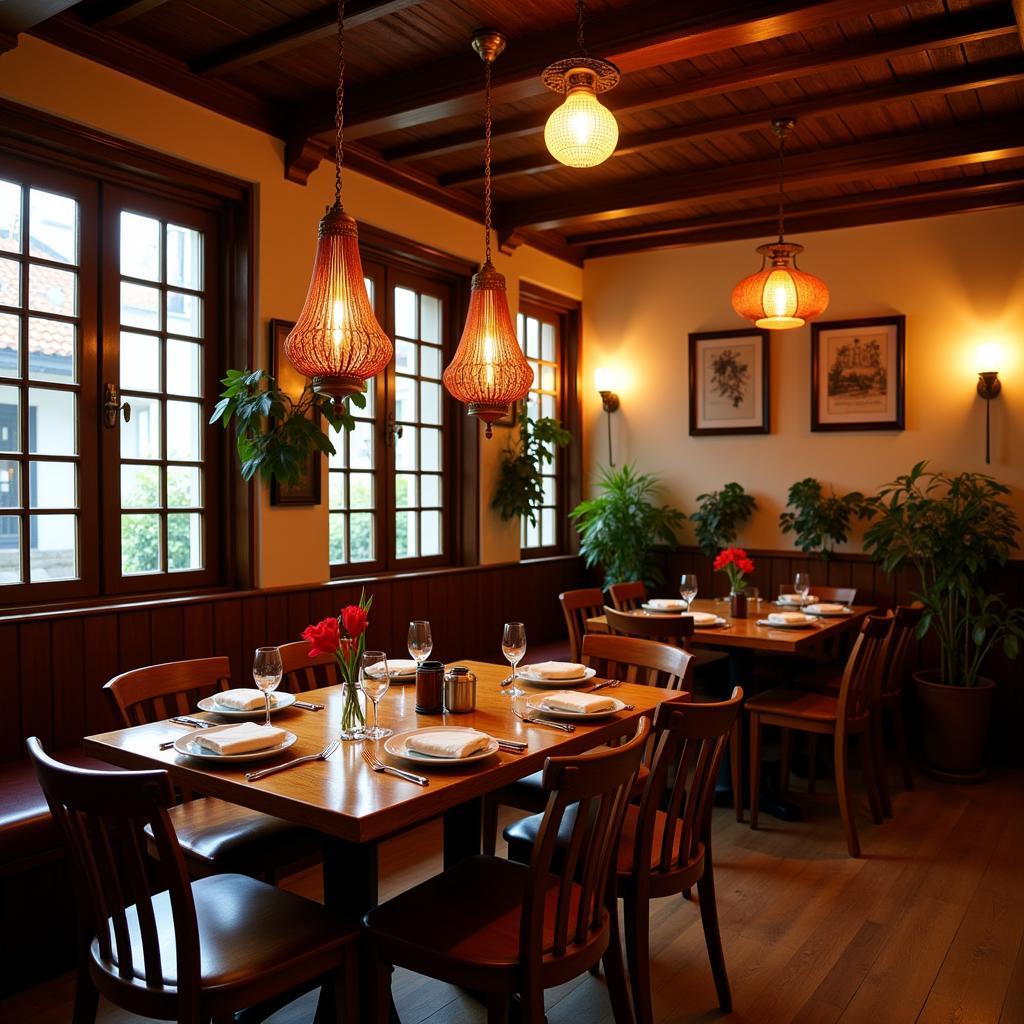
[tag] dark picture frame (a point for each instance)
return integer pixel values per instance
(858, 374)
(292, 383)
(511, 418)
(729, 382)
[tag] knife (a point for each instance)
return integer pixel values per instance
(306, 705)
(198, 723)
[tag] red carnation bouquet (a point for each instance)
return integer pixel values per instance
(735, 563)
(345, 638)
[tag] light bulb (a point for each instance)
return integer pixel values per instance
(581, 131)
(604, 379)
(988, 357)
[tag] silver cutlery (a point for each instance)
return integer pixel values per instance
(322, 756)
(197, 723)
(380, 766)
(608, 683)
(508, 680)
(307, 706)
(511, 743)
(564, 726)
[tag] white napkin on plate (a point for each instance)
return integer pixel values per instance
(450, 743)
(581, 703)
(555, 670)
(401, 667)
(826, 609)
(242, 699)
(703, 618)
(240, 739)
(787, 618)
(794, 599)
(670, 604)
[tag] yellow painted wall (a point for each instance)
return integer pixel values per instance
(958, 279)
(292, 542)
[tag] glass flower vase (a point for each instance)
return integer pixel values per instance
(353, 710)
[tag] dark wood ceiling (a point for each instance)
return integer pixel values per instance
(904, 110)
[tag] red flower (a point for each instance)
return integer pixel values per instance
(355, 620)
(323, 638)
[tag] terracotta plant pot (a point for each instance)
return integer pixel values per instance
(955, 725)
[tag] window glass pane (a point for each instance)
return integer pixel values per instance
(430, 533)
(10, 549)
(140, 544)
(405, 399)
(360, 490)
(532, 338)
(405, 449)
(405, 313)
(369, 394)
(405, 490)
(547, 406)
(140, 362)
(405, 535)
(51, 350)
(184, 541)
(10, 283)
(405, 356)
(140, 246)
(547, 527)
(10, 488)
(140, 436)
(53, 552)
(360, 532)
(184, 487)
(336, 490)
(548, 484)
(430, 362)
(52, 485)
(10, 344)
(532, 534)
(182, 367)
(51, 422)
(547, 342)
(430, 402)
(53, 221)
(53, 291)
(360, 446)
(430, 449)
(521, 329)
(10, 217)
(430, 318)
(184, 314)
(140, 486)
(430, 491)
(547, 377)
(10, 418)
(183, 440)
(140, 306)
(184, 257)
(337, 460)
(336, 537)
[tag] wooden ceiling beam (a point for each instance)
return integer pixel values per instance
(17, 16)
(120, 12)
(944, 147)
(973, 76)
(946, 30)
(301, 31)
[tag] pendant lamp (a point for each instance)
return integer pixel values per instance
(489, 370)
(336, 340)
(581, 132)
(780, 296)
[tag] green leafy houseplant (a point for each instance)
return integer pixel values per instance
(520, 488)
(955, 531)
(619, 528)
(718, 516)
(274, 434)
(820, 521)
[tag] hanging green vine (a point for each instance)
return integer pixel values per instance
(520, 488)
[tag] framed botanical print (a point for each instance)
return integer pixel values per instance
(858, 374)
(292, 383)
(729, 382)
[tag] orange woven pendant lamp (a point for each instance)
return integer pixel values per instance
(336, 340)
(780, 296)
(489, 370)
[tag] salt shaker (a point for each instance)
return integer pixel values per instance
(459, 691)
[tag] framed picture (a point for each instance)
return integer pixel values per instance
(512, 417)
(292, 383)
(858, 374)
(729, 382)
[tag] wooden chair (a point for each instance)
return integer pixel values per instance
(214, 835)
(840, 595)
(497, 927)
(668, 629)
(193, 951)
(577, 607)
(302, 673)
(627, 597)
(666, 840)
(613, 657)
(842, 716)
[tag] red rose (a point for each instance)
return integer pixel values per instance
(354, 619)
(745, 564)
(323, 637)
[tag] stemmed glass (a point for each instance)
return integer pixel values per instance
(802, 585)
(267, 671)
(688, 588)
(513, 646)
(420, 642)
(373, 674)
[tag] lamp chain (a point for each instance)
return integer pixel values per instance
(782, 178)
(487, 160)
(579, 25)
(339, 106)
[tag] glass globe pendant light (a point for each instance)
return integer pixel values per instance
(336, 340)
(780, 296)
(488, 371)
(581, 132)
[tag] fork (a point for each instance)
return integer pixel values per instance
(607, 684)
(322, 756)
(564, 726)
(380, 766)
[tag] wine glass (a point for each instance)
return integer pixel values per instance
(802, 585)
(373, 674)
(513, 646)
(420, 642)
(688, 588)
(267, 671)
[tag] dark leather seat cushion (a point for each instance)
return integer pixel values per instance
(527, 793)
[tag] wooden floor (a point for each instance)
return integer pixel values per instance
(927, 926)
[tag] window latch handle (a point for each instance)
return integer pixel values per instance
(112, 406)
(393, 430)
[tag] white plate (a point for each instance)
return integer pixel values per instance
(395, 746)
(648, 607)
(526, 677)
(536, 703)
(278, 702)
(185, 745)
(719, 621)
(809, 620)
(401, 670)
(828, 615)
(809, 599)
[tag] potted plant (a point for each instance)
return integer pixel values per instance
(620, 527)
(955, 531)
(719, 515)
(520, 489)
(735, 563)
(820, 521)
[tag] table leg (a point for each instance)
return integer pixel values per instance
(462, 827)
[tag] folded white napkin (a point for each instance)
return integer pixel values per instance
(401, 667)
(787, 618)
(703, 618)
(242, 699)
(795, 598)
(555, 670)
(668, 603)
(451, 743)
(826, 609)
(581, 703)
(240, 739)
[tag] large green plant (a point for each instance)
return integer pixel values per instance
(819, 520)
(620, 527)
(956, 531)
(718, 516)
(520, 490)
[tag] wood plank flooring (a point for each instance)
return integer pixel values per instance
(928, 926)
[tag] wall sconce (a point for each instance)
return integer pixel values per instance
(989, 387)
(604, 380)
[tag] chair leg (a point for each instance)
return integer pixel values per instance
(867, 762)
(713, 937)
(755, 766)
(901, 746)
(843, 792)
(881, 765)
(786, 741)
(615, 972)
(346, 988)
(380, 993)
(812, 763)
(736, 766)
(638, 957)
(497, 1008)
(489, 826)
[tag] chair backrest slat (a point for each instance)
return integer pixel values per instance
(669, 629)
(577, 607)
(632, 660)
(898, 645)
(861, 681)
(156, 692)
(842, 595)
(302, 673)
(625, 597)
